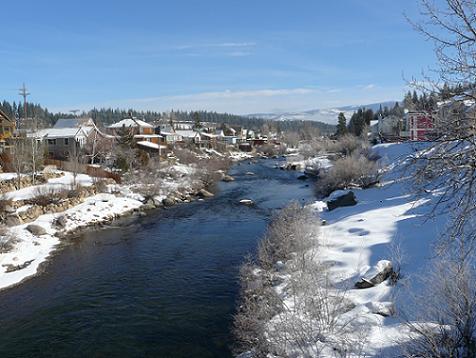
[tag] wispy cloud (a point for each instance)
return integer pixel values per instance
(255, 100)
(225, 45)
(368, 87)
(228, 94)
(228, 49)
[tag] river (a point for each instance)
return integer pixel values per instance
(163, 285)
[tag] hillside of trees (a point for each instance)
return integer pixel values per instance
(412, 101)
(106, 116)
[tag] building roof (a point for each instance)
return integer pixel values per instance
(151, 145)
(148, 136)
(5, 117)
(187, 133)
(61, 132)
(73, 122)
(209, 135)
(130, 123)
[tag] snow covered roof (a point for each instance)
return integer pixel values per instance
(148, 136)
(169, 133)
(61, 132)
(73, 122)
(129, 122)
(151, 145)
(209, 135)
(187, 133)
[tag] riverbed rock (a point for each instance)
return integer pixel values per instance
(385, 309)
(303, 177)
(347, 199)
(12, 268)
(13, 220)
(168, 202)
(9, 209)
(381, 272)
(205, 193)
(149, 205)
(228, 178)
(247, 202)
(61, 221)
(36, 230)
(250, 173)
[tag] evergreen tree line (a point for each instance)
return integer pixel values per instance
(412, 101)
(45, 118)
(106, 116)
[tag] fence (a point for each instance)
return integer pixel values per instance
(91, 170)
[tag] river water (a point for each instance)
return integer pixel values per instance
(164, 285)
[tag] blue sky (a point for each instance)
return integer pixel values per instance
(243, 56)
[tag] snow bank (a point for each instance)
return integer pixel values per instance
(30, 250)
(359, 241)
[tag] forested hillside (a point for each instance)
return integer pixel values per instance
(106, 116)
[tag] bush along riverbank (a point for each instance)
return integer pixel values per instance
(36, 217)
(286, 268)
(376, 278)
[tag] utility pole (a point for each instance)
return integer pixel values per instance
(24, 93)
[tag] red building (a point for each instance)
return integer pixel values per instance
(419, 125)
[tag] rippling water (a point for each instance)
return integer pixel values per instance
(164, 285)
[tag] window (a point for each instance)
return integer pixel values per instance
(52, 141)
(66, 141)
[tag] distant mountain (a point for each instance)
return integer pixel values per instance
(328, 115)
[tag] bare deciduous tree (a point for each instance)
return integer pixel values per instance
(443, 323)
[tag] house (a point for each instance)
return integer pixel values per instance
(190, 136)
(70, 135)
(170, 137)
(419, 126)
(152, 147)
(229, 139)
(387, 129)
(133, 125)
(140, 130)
(7, 130)
(61, 143)
(209, 140)
(184, 125)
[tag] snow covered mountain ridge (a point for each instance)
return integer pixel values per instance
(327, 115)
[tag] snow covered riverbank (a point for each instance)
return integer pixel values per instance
(388, 229)
(29, 250)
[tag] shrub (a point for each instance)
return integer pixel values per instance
(354, 170)
(186, 156)
(272, 149)
(45, 196)
(444, 321)
(4, 203)
(286, 234)
(7, 240)
(101, 186)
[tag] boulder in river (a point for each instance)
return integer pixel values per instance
(303, 177)
(347, 199)
(228, 178)
(205, 193)
(36, 230)
(247, 202)
(167, 202)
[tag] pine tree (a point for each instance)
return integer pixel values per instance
(341, 125)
